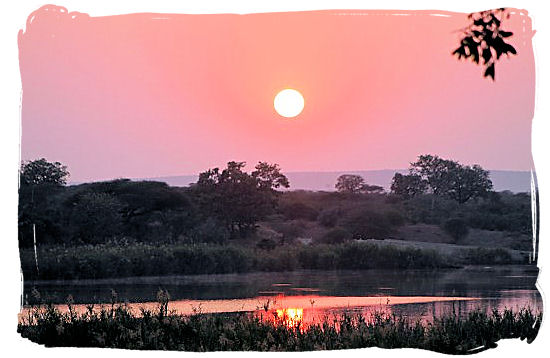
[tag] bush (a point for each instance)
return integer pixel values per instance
(329, 217)
(289, 230)
(457, 228)
(366, 224)
(395, 218)
(211, 231)
(336, 236)
(299, 211)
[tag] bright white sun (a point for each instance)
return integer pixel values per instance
(289, 103)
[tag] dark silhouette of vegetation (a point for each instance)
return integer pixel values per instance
(233, 221)
(40, 171)
(446, 178)
(141, 259)
(456, 227)
(116, 326)
(337, 236)
(483, 41)
(408, 186)
(354, 184)
(238, 199)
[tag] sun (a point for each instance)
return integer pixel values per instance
(289, 103)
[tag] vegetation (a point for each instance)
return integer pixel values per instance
(238, 199)
(456, 227)
(118, 327)
(140, 259)
(444, 178)
(354, 184)
(40, 172)
(483, 41)
(234, 221)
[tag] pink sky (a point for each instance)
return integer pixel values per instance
(147, 95)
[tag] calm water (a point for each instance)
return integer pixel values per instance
(311, 295)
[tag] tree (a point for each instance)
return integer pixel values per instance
(483, 39)
(95, 217)
(40, 171)
(350, 184)
(269, 176)
(239, 199)
(451, 179)
(408, 186)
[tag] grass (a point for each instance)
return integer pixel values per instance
(159, 329)
(140, 259)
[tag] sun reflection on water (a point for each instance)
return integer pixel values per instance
(290, 317)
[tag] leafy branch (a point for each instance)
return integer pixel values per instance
(483, 39)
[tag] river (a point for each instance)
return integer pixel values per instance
(311, 295)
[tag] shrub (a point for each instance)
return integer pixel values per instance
(329, 217)
(211, 231)
(367, 224)
(336, 236)
(299, 210)
(395, 218)
(457, 228)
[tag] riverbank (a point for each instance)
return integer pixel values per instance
(117, 327)
(116, 260)
(139, 259)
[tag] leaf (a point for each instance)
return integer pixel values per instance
(505, 33)
(490, 71)
(506, 48)
(461, 52)
(487, 55)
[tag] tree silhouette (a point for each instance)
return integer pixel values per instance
(40, 171)
(483, 40)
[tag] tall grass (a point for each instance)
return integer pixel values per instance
(117, 327)
(139, 259)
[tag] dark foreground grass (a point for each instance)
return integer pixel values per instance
(116, 327)
(140, 259)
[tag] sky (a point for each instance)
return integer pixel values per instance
(146, 95)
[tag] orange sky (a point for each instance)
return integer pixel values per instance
(147, 95)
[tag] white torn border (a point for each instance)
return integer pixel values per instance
(18, 12)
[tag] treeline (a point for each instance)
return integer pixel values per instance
(223, 204)
(227, 204)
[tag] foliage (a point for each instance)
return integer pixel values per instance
(456, 227)
(210, 231)
(329, 217)
(159, 329)
(239, 199)
(349, 183)
(299, 210)
(408, 186)
(95, 217)
(336, 236)
(119, 259)
(364, 223)
(451, 179)
(483, 40)
(40, 171)
(354, 184)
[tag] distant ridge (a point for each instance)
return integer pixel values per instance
(514, 181)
